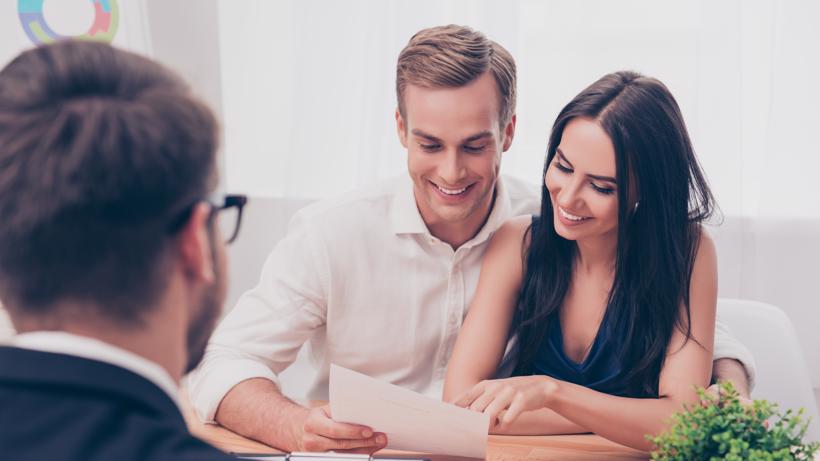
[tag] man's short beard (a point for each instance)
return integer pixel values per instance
(202, 325)
(204, 319)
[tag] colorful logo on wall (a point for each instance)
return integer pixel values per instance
(106, 20)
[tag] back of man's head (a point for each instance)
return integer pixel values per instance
(101, 153)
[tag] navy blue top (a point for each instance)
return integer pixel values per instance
(601, 370)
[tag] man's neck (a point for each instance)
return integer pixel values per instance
(153, 340)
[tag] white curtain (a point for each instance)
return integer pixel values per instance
(308, 86)
(308, 99)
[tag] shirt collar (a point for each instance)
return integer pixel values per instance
(81, 346)
(405, 217)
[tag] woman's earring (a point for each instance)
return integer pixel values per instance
(634, 210)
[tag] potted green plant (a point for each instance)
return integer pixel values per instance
(724, 428)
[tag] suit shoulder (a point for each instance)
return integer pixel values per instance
(69, 424)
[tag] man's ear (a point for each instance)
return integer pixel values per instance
(401, 129)
(194, 242)
(509, 133)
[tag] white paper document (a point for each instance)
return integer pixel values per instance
(411, 421)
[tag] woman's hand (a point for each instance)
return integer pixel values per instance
(505, 399)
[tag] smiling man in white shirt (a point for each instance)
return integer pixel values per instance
(379, 280)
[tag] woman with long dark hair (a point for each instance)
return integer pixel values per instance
(611, 291)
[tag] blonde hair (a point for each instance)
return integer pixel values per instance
(452, 56)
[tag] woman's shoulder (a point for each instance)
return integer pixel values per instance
(515, 228)
(505, 252)
(705, 244)
(513, 237)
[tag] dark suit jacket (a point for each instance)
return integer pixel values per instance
(56, 407)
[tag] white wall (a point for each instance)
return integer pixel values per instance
(775, 261)
(308, 102)
(323, 103)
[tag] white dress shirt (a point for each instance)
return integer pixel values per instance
(6, 329)
(365, 282)
(60, 342)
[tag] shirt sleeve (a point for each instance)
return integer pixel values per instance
(262, 335)
(728, 347)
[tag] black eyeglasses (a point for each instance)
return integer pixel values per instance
(228, 213)
(225, 209)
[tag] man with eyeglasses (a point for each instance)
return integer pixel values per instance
(112, 254)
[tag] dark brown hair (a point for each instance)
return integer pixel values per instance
(100, 149)
(453, 56)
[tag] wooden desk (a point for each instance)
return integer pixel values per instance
(499, 448)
